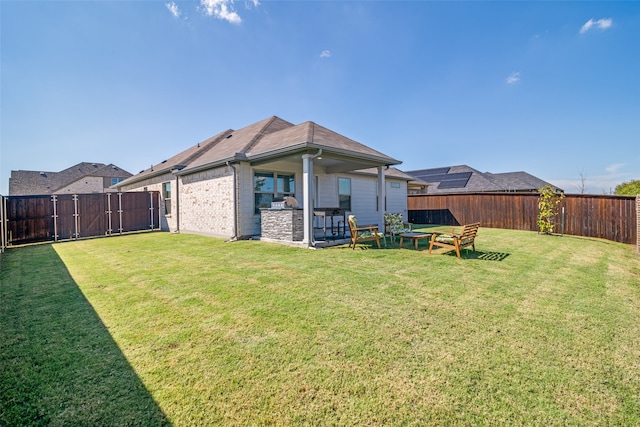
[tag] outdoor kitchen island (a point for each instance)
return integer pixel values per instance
(282, 224)
(285, 224)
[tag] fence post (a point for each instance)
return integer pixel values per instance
(76, 215)
(109, 229)
(120, 211)
(3, 215)
(54, 200)
(638, 222)
(151, 208)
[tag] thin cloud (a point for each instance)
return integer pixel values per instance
(602, 24)
(513, 78)
(174, 9)
(221, 9)
(614, 168)
(325, 54)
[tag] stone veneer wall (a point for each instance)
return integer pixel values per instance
(282, 224)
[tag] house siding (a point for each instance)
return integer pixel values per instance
(397, 198)
(363, 199)
(326, 191)
(363, 195)
(248, 220)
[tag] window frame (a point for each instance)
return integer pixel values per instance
(166, 197)
(278, 182)
(346, 202)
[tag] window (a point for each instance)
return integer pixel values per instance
(166, 194)
(114, 181)
(344, 193)
(271, 185)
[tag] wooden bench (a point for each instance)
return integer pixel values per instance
(457, 241)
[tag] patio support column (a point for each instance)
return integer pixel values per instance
(307, 205)
(382, 196)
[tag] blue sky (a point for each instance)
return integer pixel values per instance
(551, 88)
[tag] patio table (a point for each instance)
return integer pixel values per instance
(415, 237)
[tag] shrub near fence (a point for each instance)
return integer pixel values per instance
(30, 219)
(604, 216)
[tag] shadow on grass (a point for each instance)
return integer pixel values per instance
(486, 256)
(423, 246)
(59, 363)
(479, 255)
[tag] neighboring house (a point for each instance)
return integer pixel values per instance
(219, 186)
(79, 179)
(464, 179)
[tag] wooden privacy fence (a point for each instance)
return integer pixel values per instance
(29, 219)
(604, 216)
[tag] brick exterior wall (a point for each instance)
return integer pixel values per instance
(283, 224)
(206, 202)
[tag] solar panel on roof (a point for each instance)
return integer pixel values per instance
(441, 175)
(453, 183)
(455, 180)
(433, 178)
(429, 172)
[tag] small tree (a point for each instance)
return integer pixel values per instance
(582, 187)
(630, 188)
(547, 204)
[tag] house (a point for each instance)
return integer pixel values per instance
(464, 179)
(81, 178)
(222, 185)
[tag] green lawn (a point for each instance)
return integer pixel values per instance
(159, 328)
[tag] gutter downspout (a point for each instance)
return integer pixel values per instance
(177, 205)
(235, 203)
(175, 172)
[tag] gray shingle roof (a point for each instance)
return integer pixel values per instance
(517, 181)
(28, 183)
(462, 178)
(269, 138)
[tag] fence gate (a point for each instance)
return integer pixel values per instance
(30, 219)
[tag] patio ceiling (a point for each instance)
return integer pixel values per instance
(329, 162)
